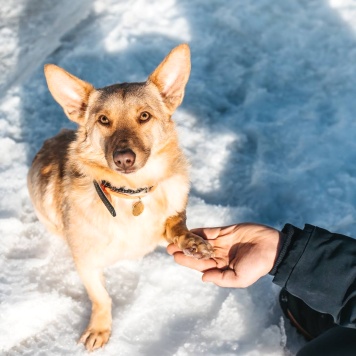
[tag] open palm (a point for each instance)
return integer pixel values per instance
(243, 253)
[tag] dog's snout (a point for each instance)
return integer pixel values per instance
(124, 159)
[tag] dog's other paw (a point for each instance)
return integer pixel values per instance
(195, 246)
(94, 339)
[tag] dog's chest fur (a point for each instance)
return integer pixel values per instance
(108, 239)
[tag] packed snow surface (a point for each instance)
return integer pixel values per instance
(268, 123)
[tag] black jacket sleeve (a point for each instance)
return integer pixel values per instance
(319, 267)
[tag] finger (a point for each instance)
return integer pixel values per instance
(224, 278)
(220, 261)
(212, 233)
(172, 249)
(208, 233)
(191, 262)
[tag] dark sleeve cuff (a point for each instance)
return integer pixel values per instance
(286, 240)
(294, 242)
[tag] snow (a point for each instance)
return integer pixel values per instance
(268, 123)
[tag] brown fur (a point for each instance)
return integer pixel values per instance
(60, 180)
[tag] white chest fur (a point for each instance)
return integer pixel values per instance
(107, 239)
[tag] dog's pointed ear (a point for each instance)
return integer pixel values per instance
(172, 75)
(69, 91)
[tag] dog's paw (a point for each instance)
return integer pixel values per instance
(195, 246)
(94, 339)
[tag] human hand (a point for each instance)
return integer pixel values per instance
(243, 253)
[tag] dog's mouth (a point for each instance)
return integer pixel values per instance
(125, 171)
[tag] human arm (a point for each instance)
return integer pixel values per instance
(319, 267)
(313, 264)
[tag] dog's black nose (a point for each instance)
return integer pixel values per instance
(124, 159)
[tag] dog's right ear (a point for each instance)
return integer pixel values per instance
(69, 91)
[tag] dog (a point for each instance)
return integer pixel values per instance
(118, 184)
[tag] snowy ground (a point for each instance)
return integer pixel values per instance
(268, 123)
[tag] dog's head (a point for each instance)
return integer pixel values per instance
(124, 124)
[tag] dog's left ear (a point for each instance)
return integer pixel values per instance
(172, 75)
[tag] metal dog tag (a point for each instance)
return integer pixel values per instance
(137, 208)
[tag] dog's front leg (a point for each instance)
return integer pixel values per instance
(99, 328)
(191, 244)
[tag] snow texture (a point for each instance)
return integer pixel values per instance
(268, 123)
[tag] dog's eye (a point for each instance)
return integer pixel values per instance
(104, 120)
(145, 116)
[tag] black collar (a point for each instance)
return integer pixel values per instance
(104, 199)
(122, 192)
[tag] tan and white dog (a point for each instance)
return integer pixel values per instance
(118, 184)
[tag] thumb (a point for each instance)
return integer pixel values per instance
(208, 233)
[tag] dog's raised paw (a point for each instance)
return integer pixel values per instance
(195, 246)
(94, 339)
